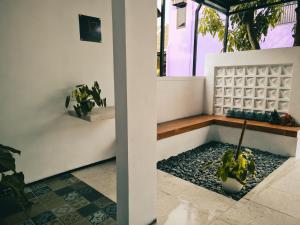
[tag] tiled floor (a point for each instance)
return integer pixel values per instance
(72, 200)
(63, 200)
(275, 201)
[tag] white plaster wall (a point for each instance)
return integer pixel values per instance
(183, 142)
(276, 144)
(255, 57)
(41, 60)
(179, 97)
(134, 38)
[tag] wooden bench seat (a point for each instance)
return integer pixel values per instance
(171, 128)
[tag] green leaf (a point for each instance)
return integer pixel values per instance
(77, 110)
(68, 99)
(7, 162)
(96, 85)
(16, 183)
(10, 149)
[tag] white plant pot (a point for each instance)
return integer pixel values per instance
(232, 185)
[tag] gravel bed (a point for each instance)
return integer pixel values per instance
(189, 166)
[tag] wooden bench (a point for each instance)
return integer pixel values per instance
(171, 128)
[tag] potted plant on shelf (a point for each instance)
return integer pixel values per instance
(11, 182)
(84, 99)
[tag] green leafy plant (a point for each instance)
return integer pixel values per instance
(86, 99)
(11, 180)
(247, 28)
(237, 164)
(238, 168)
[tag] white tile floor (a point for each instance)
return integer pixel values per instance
(275, 201)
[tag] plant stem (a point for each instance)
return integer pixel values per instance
(238, 150)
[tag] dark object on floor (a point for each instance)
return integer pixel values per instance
(11, 182)
(190, 166)
(61, 200)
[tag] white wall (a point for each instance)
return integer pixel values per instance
(136, 119)
(179, 97)
(276, 144)
(180, 143)
(256, 57)
(41, 60)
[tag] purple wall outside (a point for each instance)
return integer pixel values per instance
(180, 44)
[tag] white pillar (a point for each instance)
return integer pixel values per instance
(134, 34)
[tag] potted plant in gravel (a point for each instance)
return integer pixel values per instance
(85, 99)
(236, 166)
(11, 182)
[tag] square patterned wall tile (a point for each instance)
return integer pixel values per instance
(260, 88)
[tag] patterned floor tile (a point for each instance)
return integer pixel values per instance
(48, 197)
(71, 218)
(97, 217)
(63, 210)
(54, 203)
(57, 184)
(79, 185)
(26, 222)
(34, 210)
(37, 186)
(88, 210)
(109, 221)
(90, 194)
(43, 218)
(72, 196)
(55, 222)
(103, 202)
(41, 191)
(111, 210)
(30, 195)
(72, 180)
(64, 191)
(62, 200)
(79, 203)
(83, 222)
(65, 176)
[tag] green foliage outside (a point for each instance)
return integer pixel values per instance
(86, 99)
(10, 179)
(247, 28)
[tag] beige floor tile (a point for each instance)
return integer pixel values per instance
(202, 198)
(274, 177)
(246, 212)
(275, 201)
(219, 222)
(101, 177)
(178, 212)
(278, 200)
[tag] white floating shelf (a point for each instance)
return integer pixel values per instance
(97, 114)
